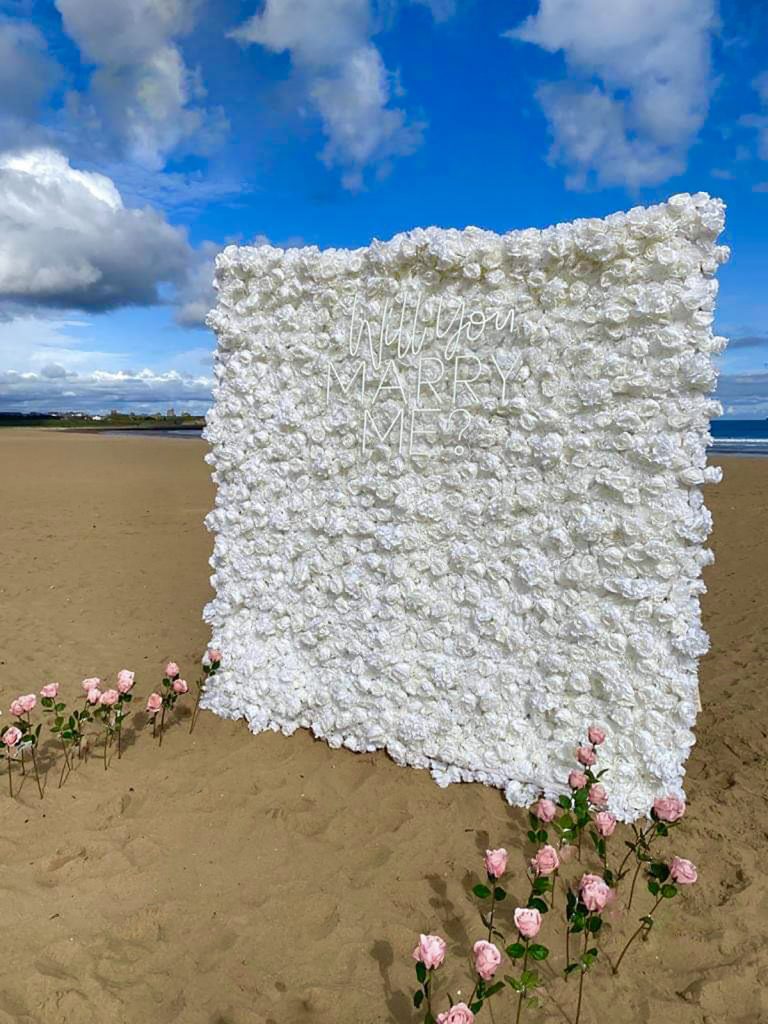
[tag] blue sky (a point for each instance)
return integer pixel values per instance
(139, 136)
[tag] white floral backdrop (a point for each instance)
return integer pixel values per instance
(459, 512)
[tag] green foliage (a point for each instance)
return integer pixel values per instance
(516, 951)
(418, 998)
(538, 952)
(538, 904)
(481, 891)
(499, 893)
(668, 891)
(421, 971)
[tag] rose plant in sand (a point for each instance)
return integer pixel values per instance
(173, 687)
(22, 709)
(556, 828)
(210, 665)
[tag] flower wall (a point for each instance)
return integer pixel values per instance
(459, 508)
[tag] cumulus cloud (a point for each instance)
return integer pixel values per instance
(68, 241)
(344, 77)
(142, 93)
(54, 388)
(760, 121)
(651, 59)
(27, 73)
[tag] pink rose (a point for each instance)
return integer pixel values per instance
(430, 951)
(577, 780)
(527, 921)
(125, 680)
(460, 1013)
(597, 795)
(17, 707)
(93, 696)
(90, 684)
(669, 808)
(545, 810)
(546, 861)
(487, 959)
(586, 756)
(682, 871)
(172, 670)
(594, 892)
(495, 862)
(605, 823)
(154, 703)
(50, 690)
(109, 698)
(180, 686)
(11, 736)
(595, 735)
(28, 701)
(211, 657)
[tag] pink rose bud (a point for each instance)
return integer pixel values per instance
(682, 871)
(669, 808)
(109, 698)
(430, 951)
(595, 735)
(487, 959)
(94, 695)
(90, 684)
(495, 862)
(594, 892)
(546, 861)
(597, 795)
(11, 736)
(527, 921)
(154, 703)
(545, 810)
(605, 823)
(586, 756)
(172, 670)
(459, 1013)
(17, 708)
(577, 780)
(211, 657)
(180, 686)
(50, 690)
(125, 680)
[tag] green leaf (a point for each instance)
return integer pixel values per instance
(594, 924)
(531, 836)
(668, 891)
(541, 884)
(541, 835)
(421, 971)
(588, 959)
(516, 951)
(571, 968)
(661, 829)
(496, 987)
(538, 904)
(653, 888)
(565, 802)
(481, 891)
(499, 893)
(659, 870)
(529, 979)
(515, 984)
(476, 1007)
(47, 702)
(429, 1019)
(418, 998)
(538, 952)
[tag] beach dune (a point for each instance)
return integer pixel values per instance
(228, 878)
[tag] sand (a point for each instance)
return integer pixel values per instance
(227, 878)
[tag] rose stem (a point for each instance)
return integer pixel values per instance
(632, 887)
(65, 765)
(581, 981)
(493, 909)
(162, 724)
(23, 769)
(10, 777)
(643, 924)
(106, 745)
(522, 991)
(196, 708)
(37, 774)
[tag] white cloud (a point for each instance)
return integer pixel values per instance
(54, 388)
(142, 92)
(26, 71)
(652, 60)
(344, 75)
(67, 240)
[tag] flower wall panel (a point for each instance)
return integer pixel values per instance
(459, 513)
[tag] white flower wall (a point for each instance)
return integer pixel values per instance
(459, 513)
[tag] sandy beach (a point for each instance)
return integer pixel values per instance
(233, 879)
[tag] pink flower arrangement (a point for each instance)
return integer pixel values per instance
(556, 829)
(173, 687)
